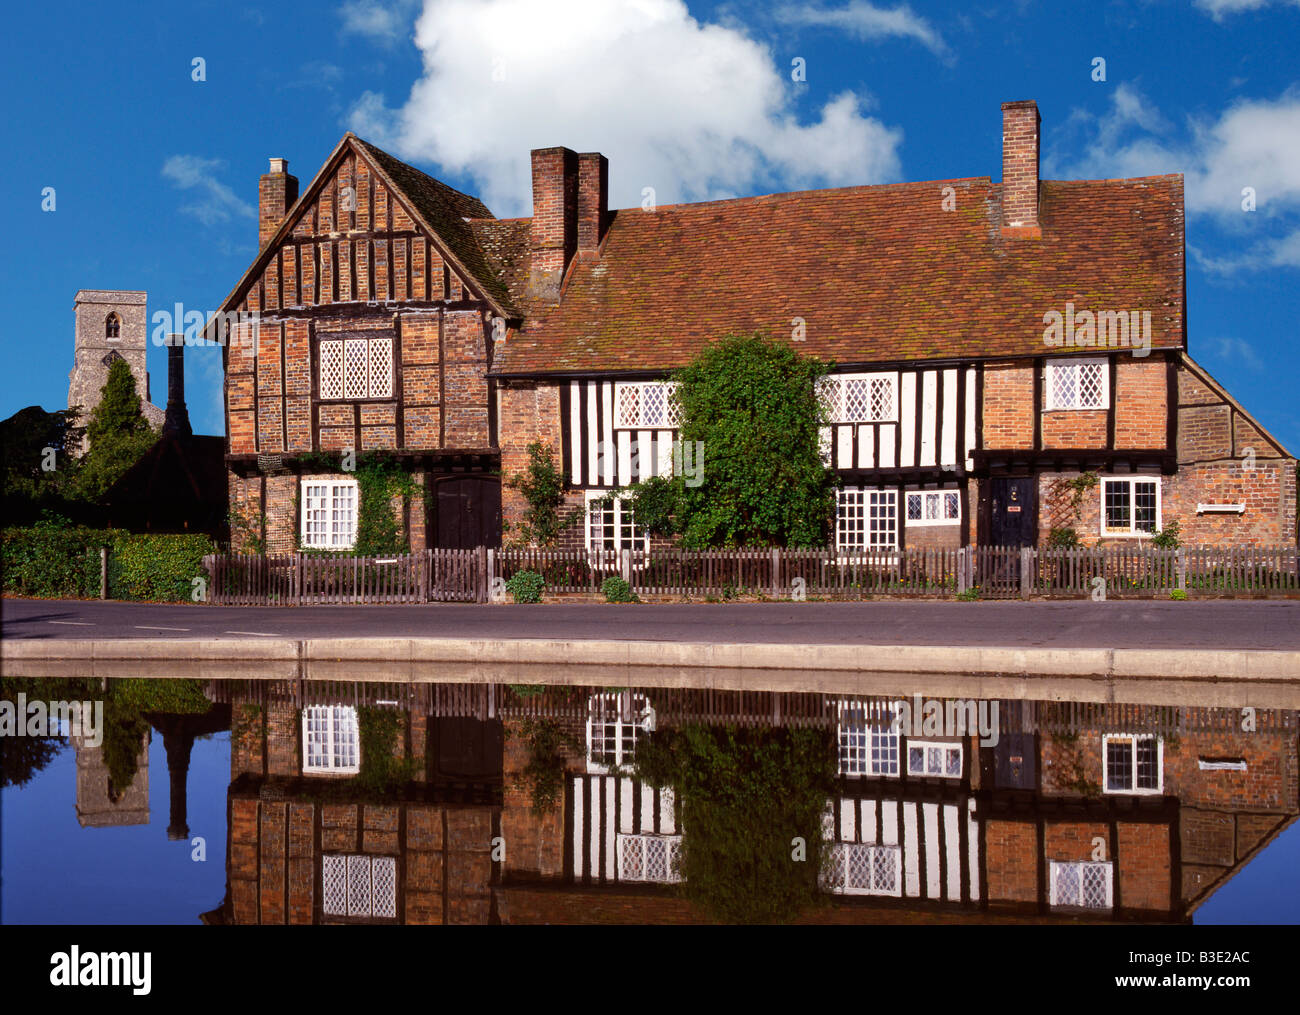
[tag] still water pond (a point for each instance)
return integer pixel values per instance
(328, 801)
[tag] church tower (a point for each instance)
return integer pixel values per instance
(109, 325)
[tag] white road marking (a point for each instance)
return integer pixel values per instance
(255, 634)
(72, 623)
(150, 627)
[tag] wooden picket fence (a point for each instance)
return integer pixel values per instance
(991, 572)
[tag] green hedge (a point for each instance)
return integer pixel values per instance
(51, 561)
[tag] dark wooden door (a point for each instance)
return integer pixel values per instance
(1015, 762)
(468, 749)
(467, 512)
(1013, 511)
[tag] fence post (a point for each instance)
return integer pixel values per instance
(297, 579)
(103, 572)
(627, 566)
(961, 570)
(1026, 562)
(481, 596)
(491, 571)
(776, 572)
(1182, 568)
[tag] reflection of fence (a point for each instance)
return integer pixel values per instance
(996, 572)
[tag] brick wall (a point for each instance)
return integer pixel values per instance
(526, 413)
(1011, 849)
(1141, 403)
(1008, 405)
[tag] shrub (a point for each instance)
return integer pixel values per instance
(526, 587)
(1178, 594)
(1062, 539)
(1167, 538)
(971, 595)
(616, 590)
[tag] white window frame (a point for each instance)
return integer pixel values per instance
(1075, 364)
(841, 853)
(637, 542)
(873, 748)
(631, 853)
(625, 389)
(342, 740)
(626, 732)
(871, 498)
(833, 390)
(1132, 789)
(339, 515)
(947, 512)
(1055, 868)
(945, 748)
(1132, 532)
(368, 885)
(370, 387)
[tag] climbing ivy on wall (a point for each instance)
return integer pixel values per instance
(381, 479)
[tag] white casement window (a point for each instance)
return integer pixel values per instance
(933, 507)
(614, 724)
(1086, 885)
(1077, 384)
(1134, 763)
(356, 368)
(868, 739)
(647, 406)
(329, 514)
(859, 398)
(1130, 506)
(938, 761)
(857, 868)
(866, 519)
(364, 886)
(653, 858)
(331, 740)
(610, 526)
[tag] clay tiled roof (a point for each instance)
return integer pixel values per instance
(878, 274)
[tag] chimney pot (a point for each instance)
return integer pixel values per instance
(276, 193)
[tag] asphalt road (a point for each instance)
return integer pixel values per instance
(1214, 624)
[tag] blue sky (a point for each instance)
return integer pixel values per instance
(155, 174)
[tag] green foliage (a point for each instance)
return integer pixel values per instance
(382, 773)
(28, 488)
(380, 480)
(1178, 594)
(544, 772)
(526, 587)
(118, 433)
(51, 560)
(616, 590)
(1063, 539)
(752, 403)
(971, 595)
(745, 795)
(1167, 538)
(542, 485)
(246, 533)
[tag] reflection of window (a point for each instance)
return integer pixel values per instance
(868, 741)
(866, 519)
(1130, 506)
(614, 724)
(113, 327)
(933, 507)
(1077, 384)
(937, 760)
(356, 368)
(645, 406)
(610, 526)
(859, 398)
(331, 740)
(359, 886)
(1133, 763)
(656, 858)
(1087, 885)
(857, 868)
(329, 514)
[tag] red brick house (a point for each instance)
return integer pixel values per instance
(991, 342)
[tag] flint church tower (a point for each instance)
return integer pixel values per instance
(109, 325)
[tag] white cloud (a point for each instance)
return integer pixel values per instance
(694, 110)
(1234, 350)
(214, 201)
(386, 23)
(1220, 9)
(868, 22)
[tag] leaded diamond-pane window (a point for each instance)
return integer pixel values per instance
(859, 868)
(1084, 885)
(649, 405)
(654, 858)
(941, 761)
(1077, 384)
(331, 370)
(356, 368)
(859, 398)
(359, 886)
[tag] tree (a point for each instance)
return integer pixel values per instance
(118, 433)
(543, 488)
(751, 404)
(39, 470)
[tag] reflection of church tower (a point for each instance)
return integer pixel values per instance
(178, 742)
(109, 325)
(100, 804)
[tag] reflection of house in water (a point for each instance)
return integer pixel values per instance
(100, 804)
(1080, 811)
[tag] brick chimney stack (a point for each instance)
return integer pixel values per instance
(177, 419)
(593, 200)
(1020, 129)
(553, 234)
(276, 193)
